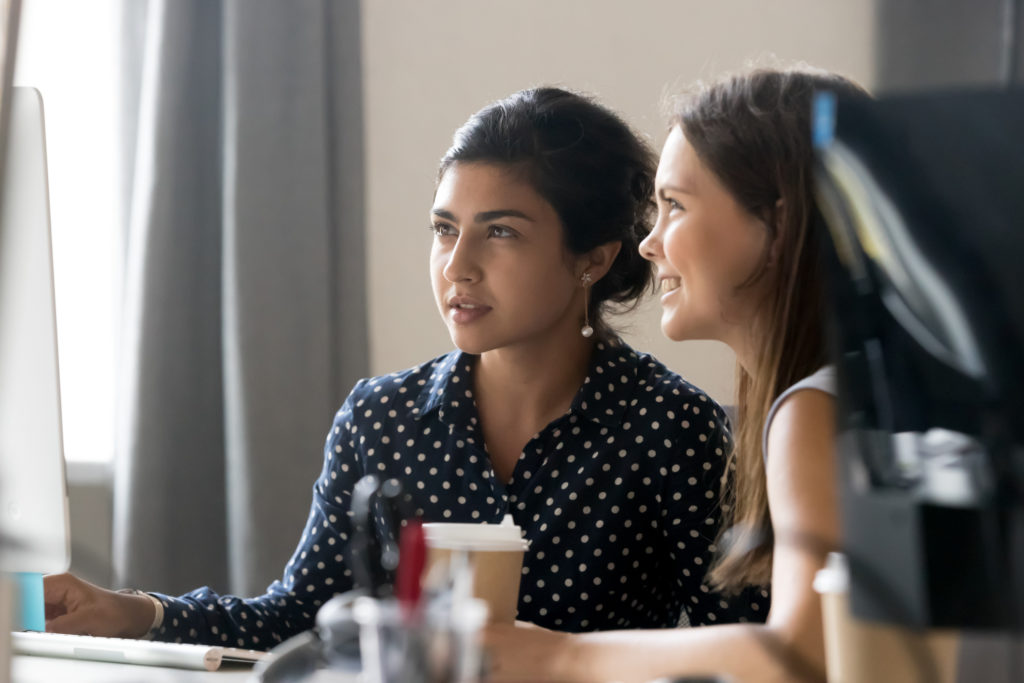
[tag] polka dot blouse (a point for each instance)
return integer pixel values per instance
(618, 498)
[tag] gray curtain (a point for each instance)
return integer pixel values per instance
(244, 302)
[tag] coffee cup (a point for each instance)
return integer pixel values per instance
(495, 553)
(860, 651)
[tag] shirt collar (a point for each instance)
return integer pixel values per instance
(603, 397)
(608, 387)
(449, 390)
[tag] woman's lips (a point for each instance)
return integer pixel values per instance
(465, 312)
(668, 287)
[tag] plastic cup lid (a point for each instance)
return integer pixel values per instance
(834, 577)
(459, 536)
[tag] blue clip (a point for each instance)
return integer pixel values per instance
(823, 121)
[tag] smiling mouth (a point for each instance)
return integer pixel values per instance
(670, 284)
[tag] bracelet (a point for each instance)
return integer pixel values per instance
(158, 616)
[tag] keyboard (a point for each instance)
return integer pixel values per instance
(128, 651)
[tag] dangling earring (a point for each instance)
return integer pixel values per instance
(586, 279)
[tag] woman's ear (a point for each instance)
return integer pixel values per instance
(598, 261)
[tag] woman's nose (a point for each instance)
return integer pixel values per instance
(650, 247)
(462, 263)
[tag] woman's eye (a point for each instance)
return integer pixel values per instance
(501, 231)
(674, 205)
(441, 229)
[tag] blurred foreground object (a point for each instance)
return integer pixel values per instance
(923, 198)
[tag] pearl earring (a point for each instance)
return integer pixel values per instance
(586, 279)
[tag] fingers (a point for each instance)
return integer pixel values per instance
(81, 622)
(525, 624)
(57, 587)
(74, 606)
(55, 610)
(55, 594)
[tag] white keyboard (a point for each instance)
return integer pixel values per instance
(128, 651)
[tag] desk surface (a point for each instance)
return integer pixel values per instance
(25, 669)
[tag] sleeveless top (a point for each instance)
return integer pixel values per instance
(822, 380)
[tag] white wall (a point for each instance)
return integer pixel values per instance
(430, 64)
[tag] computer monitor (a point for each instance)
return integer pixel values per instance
(10, 16)
(34, 534)
(923, 198)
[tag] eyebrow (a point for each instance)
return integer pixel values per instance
(485, 216)
(684, 189)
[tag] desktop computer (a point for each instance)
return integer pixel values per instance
(921, 196)
(34, 533)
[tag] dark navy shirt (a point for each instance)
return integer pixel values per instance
(618, 498)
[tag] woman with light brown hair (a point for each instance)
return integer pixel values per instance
(738, 249)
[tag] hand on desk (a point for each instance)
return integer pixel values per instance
(78, 607)
(526, 652)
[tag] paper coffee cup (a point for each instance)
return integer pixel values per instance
(858, 651)
(495, 552)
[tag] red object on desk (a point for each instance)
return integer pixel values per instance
(412, 559)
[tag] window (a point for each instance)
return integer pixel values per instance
(68, 50)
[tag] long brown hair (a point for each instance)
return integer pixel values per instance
(753, 131)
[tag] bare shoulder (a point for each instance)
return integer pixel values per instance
(801, 456)
(804, 425)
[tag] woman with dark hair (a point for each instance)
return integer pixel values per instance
(737, 249)
(607, 460)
